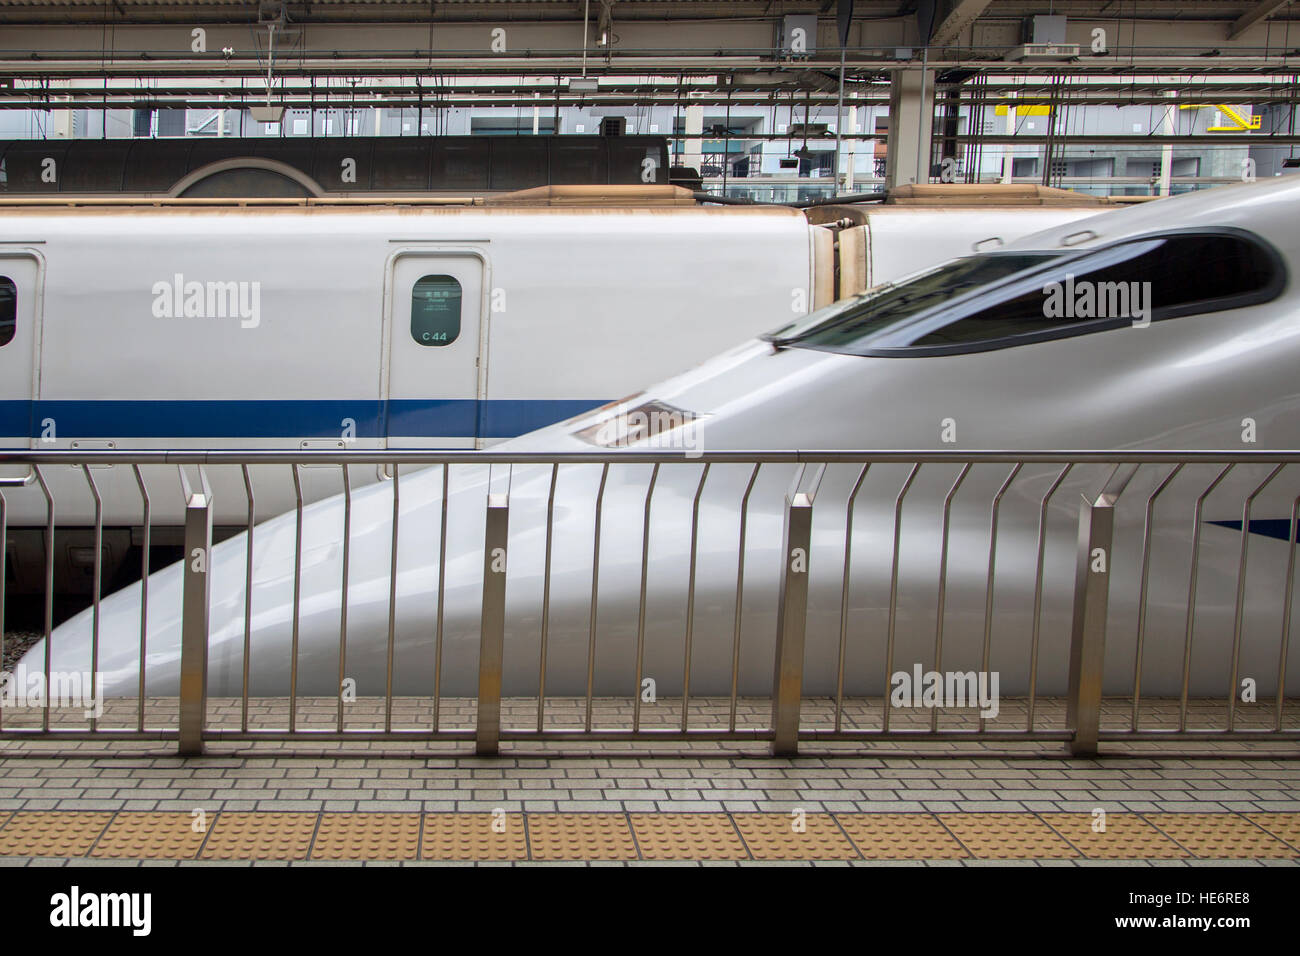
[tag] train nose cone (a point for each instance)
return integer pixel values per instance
(296, 604)
(111, 646)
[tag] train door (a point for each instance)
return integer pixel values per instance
(20, 297)
(436, 331)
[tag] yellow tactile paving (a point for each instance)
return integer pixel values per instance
(900, 836)
(1126, 837)
(281, 835)
(52, 832)
(1007, 836)
(260, 836)
(150, 836)
(1284, 826)
(778, 836)
(474, 836)
(687, 836)
(367, 836)
(1220, 836)
(580, 836)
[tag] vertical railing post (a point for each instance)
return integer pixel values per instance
(487, 735)
(792, 618)
(194, 616)
(1092, 569)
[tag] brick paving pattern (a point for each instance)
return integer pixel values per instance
(425, 799)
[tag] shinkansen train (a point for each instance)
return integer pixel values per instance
(326, 324)
(987, 350)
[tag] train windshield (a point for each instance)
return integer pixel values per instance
(838, 326)
(1000, 299)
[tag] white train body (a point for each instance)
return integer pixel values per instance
(290, 327)
(1215, 373)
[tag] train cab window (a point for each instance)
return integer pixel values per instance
(1133, 282)
(435, 310)
(843, 323)
(8, 310)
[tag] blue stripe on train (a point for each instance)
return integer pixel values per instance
(1279, 528)
(407, 418)
(15, 418)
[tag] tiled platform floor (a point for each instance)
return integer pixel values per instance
(130, 837)
(123, 804)
(111, 781)
(316, 800)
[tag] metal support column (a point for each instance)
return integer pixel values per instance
(911, 116)
(1091, 595)
(693, 145)
(792, 614)
(487, 735)
(194, 614)
(1168, 127)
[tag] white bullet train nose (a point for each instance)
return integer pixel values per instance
(730, 418)
(416, 606)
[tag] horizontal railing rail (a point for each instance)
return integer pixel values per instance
(781, 716)
(488, 457)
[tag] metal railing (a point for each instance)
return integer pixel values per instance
(1080, 713)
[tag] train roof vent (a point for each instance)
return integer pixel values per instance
(989, 194)
(649, 194)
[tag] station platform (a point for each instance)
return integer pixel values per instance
(111, 803)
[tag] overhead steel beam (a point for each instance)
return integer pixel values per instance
(704, 63)
(962, 15)
(1096, 81)
(394, 11)
(401, 102)
(1262, 11)
(80, 12)
(498, 44)
(410, 99)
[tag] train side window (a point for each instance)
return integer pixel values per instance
(435, 310)
(8, 310)
(1134, 282)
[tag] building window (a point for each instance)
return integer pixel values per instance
(1024, 166)
(8, 310)
(510, 125)
(435, 311)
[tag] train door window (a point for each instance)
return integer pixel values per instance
(435, 310)
(8, 310)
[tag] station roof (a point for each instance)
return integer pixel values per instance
(404, 10)
(655, 49)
